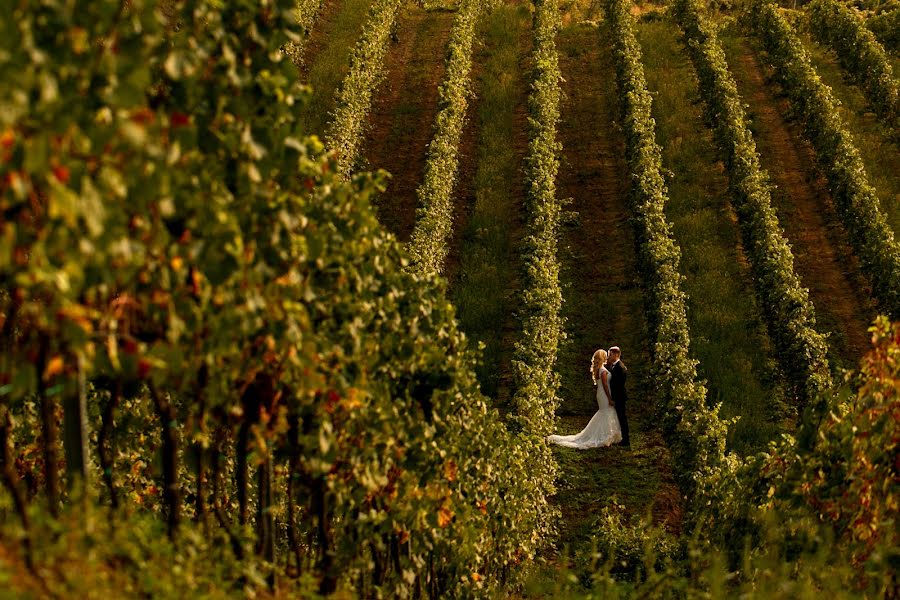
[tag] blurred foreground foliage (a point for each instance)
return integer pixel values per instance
(202, 321)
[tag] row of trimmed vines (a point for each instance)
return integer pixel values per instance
(354, 99)
(428, 245)
(886, 27)
(536, 380)
(695, 433)
(836, 25)
(308, 12)
(785, 303)
(179, 264)
(870, 235)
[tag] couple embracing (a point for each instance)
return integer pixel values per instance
(609, 425)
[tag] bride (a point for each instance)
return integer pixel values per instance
(603, 428)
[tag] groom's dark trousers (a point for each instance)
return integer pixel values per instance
(620, 398)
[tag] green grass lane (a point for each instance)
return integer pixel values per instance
(329, 66)
(484, 288)
(727, 333)
(603, 305)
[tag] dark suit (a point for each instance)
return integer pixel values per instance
(620, 397)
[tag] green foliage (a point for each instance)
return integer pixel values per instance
(789, 313)
(886, 27)
(691, 568)
(870, 236)
(631, 549)
(168, 228)
(87, 554)
(535, 378)
(428, 246)
(832, 487)
(354, 99)
(863, 58)
(542, 327)
(696, 435)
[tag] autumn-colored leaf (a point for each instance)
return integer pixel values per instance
(61, 173)
(55, 366)
(179, 119)
(144, 367)
(143, 115)
(445, 516)
(450, 470)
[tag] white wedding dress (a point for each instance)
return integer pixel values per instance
(602, 430)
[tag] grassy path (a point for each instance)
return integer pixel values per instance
(486, 279)
(403, 114)
(327, 58)
(880, 154)
(822, 256)
(603, 306)
(729, 338)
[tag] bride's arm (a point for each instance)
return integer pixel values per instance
(604, 377)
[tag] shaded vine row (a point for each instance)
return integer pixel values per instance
(354, 99)
(864, 59)
(788, 311)
(542, 324)
(428, 244)
(870, 235)
(695, 433)
(886, 27)
(238, 311)
(536, 379)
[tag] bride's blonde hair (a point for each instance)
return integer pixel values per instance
(597, 361)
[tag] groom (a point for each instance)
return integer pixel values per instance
(617, 387)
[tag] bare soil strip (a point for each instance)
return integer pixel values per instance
(403, 115)
(822, 256)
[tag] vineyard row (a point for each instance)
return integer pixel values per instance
(863, 58)
(367, 70)
(785, 303)
(428, 246)
(197, 273)
(308, 12)
(536, 378)
(695, 432)
(868, 231)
